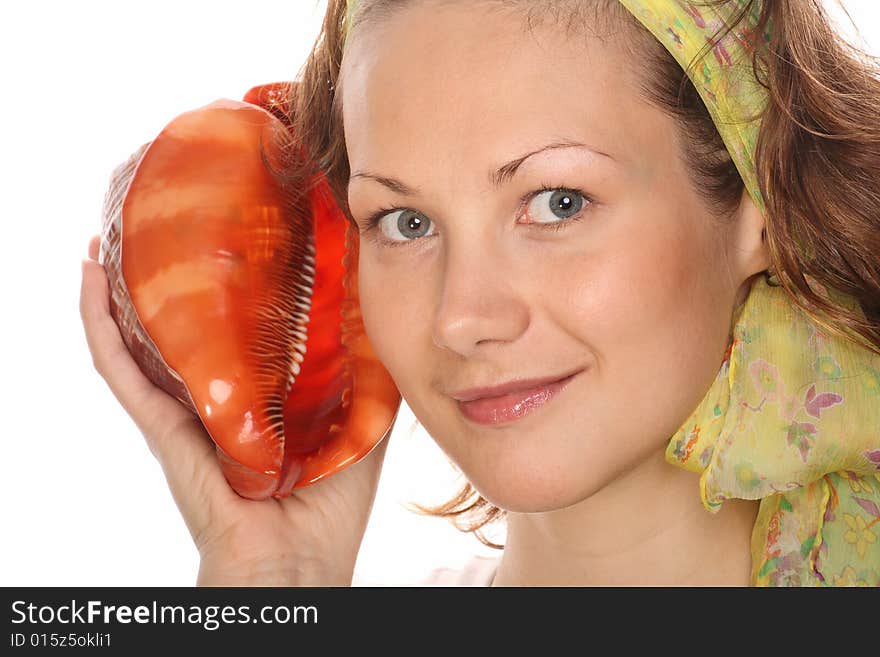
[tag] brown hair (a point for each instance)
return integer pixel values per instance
(818, 154)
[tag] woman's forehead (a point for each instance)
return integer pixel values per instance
(436, 82)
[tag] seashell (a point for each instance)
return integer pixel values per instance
(240, 298)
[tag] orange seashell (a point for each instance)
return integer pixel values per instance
(240, 298)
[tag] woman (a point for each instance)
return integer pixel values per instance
(548, 204)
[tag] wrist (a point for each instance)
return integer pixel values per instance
(282, 571)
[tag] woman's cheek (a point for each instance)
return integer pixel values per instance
(390, 311)
(666, 326)
(662, 270)
(375, 308)
(643, 305)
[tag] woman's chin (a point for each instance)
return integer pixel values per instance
(535, 494)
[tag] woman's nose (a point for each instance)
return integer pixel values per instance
(479, 303)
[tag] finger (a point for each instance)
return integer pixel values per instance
(362, 476)
(94, 246)
(109, 353)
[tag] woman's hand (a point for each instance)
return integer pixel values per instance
(309, 538)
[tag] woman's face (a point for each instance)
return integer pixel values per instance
(475, 277)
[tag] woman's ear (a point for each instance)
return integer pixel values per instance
(749, 252)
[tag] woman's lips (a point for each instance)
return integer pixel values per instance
(513, 405)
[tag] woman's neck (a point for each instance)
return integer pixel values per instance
(646, 528)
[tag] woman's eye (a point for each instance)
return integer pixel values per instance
(402, 225)
(551, 205)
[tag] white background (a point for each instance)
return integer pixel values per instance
(82, 502)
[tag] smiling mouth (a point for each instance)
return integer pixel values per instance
(512, 406)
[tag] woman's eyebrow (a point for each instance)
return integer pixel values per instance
(503, 175)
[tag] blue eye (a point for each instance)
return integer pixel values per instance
(549, 207)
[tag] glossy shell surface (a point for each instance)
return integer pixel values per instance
(239, 297)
